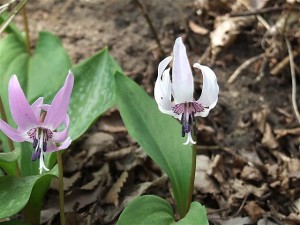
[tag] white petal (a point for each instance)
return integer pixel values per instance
(210, 90)
(162, 93)
(182, 78)
(189, 140)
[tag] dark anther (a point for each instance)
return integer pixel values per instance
(182, 131)
(35, 143)
(36, 154)
(44, 146)
(187, 127)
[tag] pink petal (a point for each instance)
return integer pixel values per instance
(64, 145)
(59, 106)
(60, 136)
(12, 133)
(20, 109)
(36, 107)
(182, 78)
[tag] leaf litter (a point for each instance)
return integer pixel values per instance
(248, 148)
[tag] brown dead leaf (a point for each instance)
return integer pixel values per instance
(268, 137)
(203, 182)
(112, 123)
(136, 157)
(113, 155)
(102, 174)
(259, 119)
(294, 168)
(243, 189)
(250, 173)
(253, 210)
(197, 29)
(68, 181)
(113, 194)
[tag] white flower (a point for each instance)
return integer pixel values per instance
(174, 96)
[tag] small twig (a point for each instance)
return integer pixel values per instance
(244, 65)
(260, 11)
(25, 20)
(16, 10)
(146, 15)
(281, 65)
(293, 75)
(241, 207)
(6, 5)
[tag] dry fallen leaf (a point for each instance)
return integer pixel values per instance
(113, 194)
(253, 210)
(250, 173)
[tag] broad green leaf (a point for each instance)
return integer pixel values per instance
(93, 91)
(195, 216)
(153, 210)
(15, 191)
(158, 134)
(48, 67)
(8, 161)
(147, 210)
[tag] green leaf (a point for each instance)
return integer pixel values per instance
(93, 91)
(158, 134)
(8, 161)
(153, 210)
(147, 210)
(15, 191)
(195, 216)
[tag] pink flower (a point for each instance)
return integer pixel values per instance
(37, 123)
(174, 96)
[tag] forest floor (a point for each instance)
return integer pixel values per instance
(248, 147)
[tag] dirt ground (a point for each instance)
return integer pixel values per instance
(248, 147)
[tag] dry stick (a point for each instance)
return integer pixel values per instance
(281, 65)
(245, 64)
(294, 85)
(145, 14)
(24, 13)
(261, 11)
(12, 15)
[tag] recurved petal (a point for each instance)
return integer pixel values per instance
(210, 90)
(182, 78)
(36, 107)
(20, 109)
(12, 133)
(162, 93)
(59, 106)
(60, 136)
(64, 145)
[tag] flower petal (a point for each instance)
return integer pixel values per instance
(12, 133)
(59, 106)
(64, 145)
(162, 93)
(60, 136)
(36, 107)
(20, 109)
(182, 78)
(210, 90)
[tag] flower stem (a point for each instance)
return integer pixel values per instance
(10, 143)
(192, 178)
(25, 19)
(61, 188)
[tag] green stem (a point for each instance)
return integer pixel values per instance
(25, 19)
(192, 178)
(61, 188)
